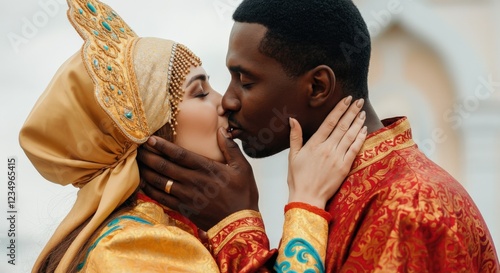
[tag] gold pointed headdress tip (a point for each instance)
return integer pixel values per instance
(96, 17)
(106, 53)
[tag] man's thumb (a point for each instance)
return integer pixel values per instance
(228, 147)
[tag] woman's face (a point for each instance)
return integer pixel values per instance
(197, 119)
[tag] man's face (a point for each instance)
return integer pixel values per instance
(260, 97)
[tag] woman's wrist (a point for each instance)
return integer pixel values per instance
(311, 200)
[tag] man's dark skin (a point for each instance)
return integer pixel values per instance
(258, 102)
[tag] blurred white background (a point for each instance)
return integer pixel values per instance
(435, 61)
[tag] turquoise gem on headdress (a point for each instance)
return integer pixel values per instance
(112, 87)
(106, 26)
(120, 92)
(96, 33)
(110, 68)
(109, 18)
(96, 63)
(80, 11)
(106, 47)
(106, 99)
(122, 29)
(129, 115)
(91, 7)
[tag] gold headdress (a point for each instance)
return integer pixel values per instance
(101, 104)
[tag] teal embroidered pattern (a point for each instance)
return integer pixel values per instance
(128, 217)
(113, 225)
(299, 250)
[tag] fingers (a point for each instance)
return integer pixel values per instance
(356, 145)
(331, 121)
(160, 196)
(345, 123)
(157, 184)
(231, 151)
(151, 178)
(163, 168)
(176, 153)
(296, 140)
(349, 137)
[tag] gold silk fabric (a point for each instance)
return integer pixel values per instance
(398, 211)
(146, 239)
(101, 104)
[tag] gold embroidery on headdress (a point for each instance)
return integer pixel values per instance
(107, 54)
(107, 57)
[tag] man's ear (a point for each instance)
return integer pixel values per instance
(322, 85)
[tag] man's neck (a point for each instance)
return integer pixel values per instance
(372, 121)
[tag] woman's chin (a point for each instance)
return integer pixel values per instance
(220, 158)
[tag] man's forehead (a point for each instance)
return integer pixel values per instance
(244, 43)
(247, 34)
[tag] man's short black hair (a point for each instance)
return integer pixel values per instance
(303, 34)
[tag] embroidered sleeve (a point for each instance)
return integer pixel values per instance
(305, 235)
(239, 243)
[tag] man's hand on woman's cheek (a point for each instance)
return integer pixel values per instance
(203, 190)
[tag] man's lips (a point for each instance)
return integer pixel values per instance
(234, 129)
(235, 132)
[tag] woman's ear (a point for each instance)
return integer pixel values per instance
(322, 85)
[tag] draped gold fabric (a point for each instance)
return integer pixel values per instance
(101, 104)
(146, 239)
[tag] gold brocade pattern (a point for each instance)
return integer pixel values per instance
(381, 144)
(400, 212)
(240, 243)
(145, 239)
(308, 244)
(107, 56)
(245, 220)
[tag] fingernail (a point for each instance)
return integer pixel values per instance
(151, 141)
(364, 130)
(292, 124)
(362, 115)
(224, 132)
(348, 100)
(360, 102)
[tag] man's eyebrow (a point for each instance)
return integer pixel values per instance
(202, 77)
(239, 69)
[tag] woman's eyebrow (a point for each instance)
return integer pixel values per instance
(202, 77)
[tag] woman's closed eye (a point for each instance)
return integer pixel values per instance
(201, 94)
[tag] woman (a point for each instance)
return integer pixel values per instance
(85, 129)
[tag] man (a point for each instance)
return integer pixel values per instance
(396, 212)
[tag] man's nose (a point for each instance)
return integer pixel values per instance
(230, 103)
